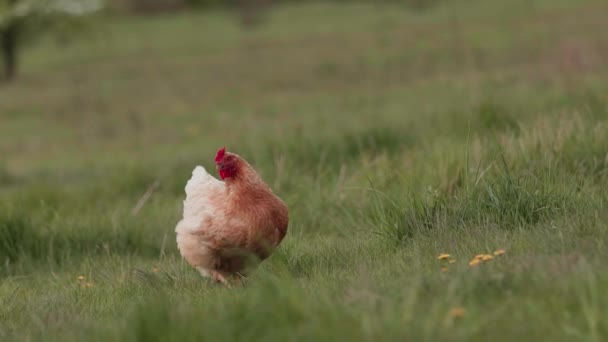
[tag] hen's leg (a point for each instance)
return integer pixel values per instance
(239, 278)
(204, 272)
(218, 277)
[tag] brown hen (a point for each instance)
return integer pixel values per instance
(230, 225)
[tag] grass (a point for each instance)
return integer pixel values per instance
(393, 134)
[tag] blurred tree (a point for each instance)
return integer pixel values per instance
(9, 28)
(21, 20)
(251, 11)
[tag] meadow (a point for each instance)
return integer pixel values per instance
(394, 135)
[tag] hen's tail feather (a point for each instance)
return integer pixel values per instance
(200, 178)
(198, 204)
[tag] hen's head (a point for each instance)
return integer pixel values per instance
(227, 163)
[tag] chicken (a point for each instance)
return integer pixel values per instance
(230, 225)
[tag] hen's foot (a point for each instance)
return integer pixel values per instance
(219, 278)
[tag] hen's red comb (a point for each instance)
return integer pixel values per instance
(220, 154)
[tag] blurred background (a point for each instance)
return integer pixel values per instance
(90, 80)
(115, 96)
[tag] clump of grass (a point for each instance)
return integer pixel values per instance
(502, 197)
(515, 203)
(586, 155)
(396, 220)
(512, 199)
(46, 235)
(14, 230)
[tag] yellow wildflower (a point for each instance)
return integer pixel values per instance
(80, 278)
(443, 256)
(457, 312)
(499, 252)
(451, 261)
(474, 262)
(483, 257)
(487, 257)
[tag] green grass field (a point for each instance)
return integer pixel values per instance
(393, 135)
